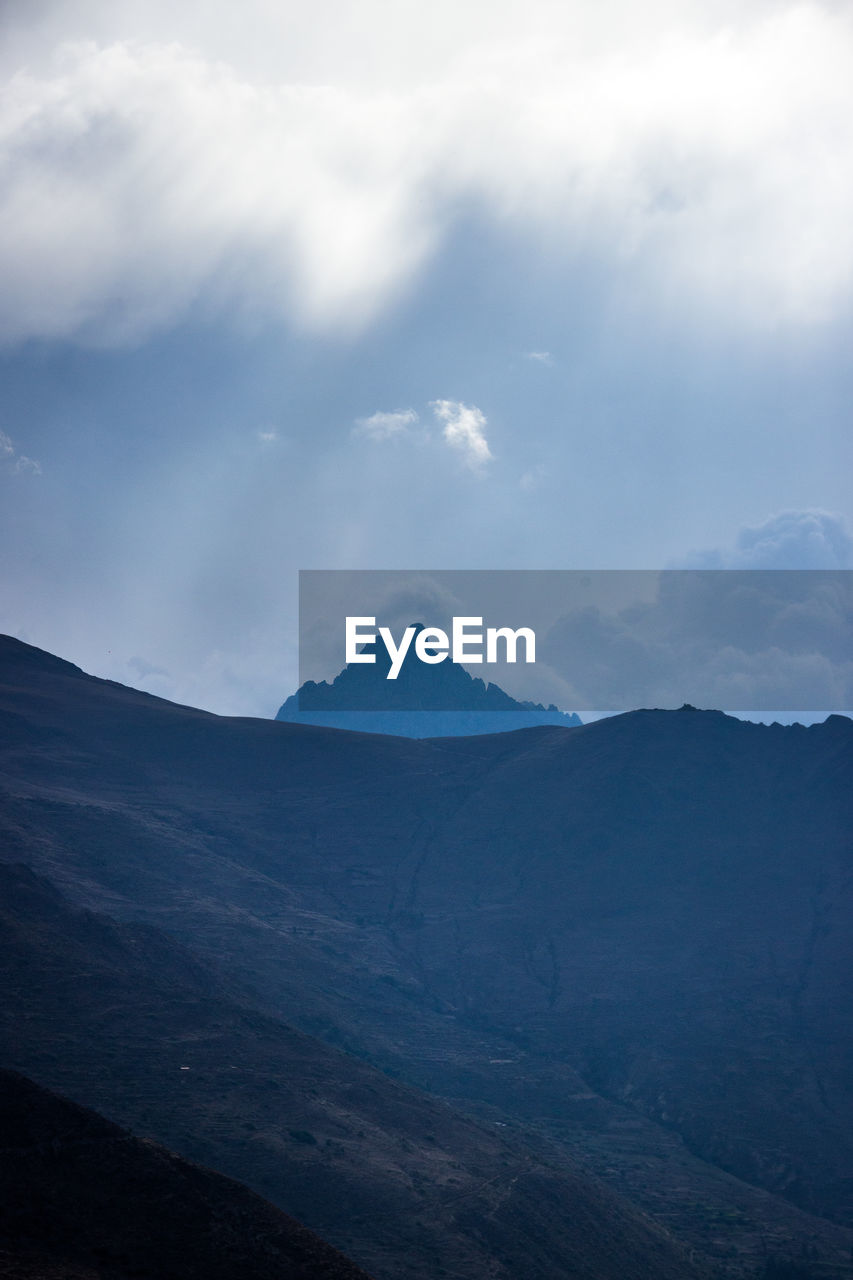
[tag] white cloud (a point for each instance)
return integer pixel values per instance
(805, 539)
(307, 170)
(532, 479)
(23, 463)
(540, 357)
(385, 426)
(465, 430)
(16, 462)
(463, 427)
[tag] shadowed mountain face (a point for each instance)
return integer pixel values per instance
(82, 1199)
(424, 701)
(628, 943)
(132, 1023)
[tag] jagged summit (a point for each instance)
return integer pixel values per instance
(425, 701)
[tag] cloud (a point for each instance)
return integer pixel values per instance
(532, 479)
(17, 463)
(613, 640)
(23, 463)
(804, 539)
(145, 669)
(748, 640)
(168, 163)
(464, 429)
(386, 426)
(540, 357)
(144, 180)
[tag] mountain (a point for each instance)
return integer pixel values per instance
(424, 701)
(83, 1199)
(129, 1022)
(624, 950)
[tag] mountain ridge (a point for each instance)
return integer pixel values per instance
(635, 928)
(424, 701)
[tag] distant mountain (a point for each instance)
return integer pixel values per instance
(625, 949)
(424, 701)
(83, 1199)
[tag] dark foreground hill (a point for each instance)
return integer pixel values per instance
(81, 1198)
(628, 943)
(129, 1022)
(424, 701)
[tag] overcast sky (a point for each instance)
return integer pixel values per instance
(381, 284)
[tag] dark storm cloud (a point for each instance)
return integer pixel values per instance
(732, 639)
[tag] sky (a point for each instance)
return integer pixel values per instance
(374, 284)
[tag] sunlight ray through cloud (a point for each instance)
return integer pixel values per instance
(143, 177)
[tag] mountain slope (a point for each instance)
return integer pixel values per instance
(82, 1198)
(127, 1021)
(627, 936)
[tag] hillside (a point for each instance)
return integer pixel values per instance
(627, 944)
(82, 1199)
(128, 1022)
